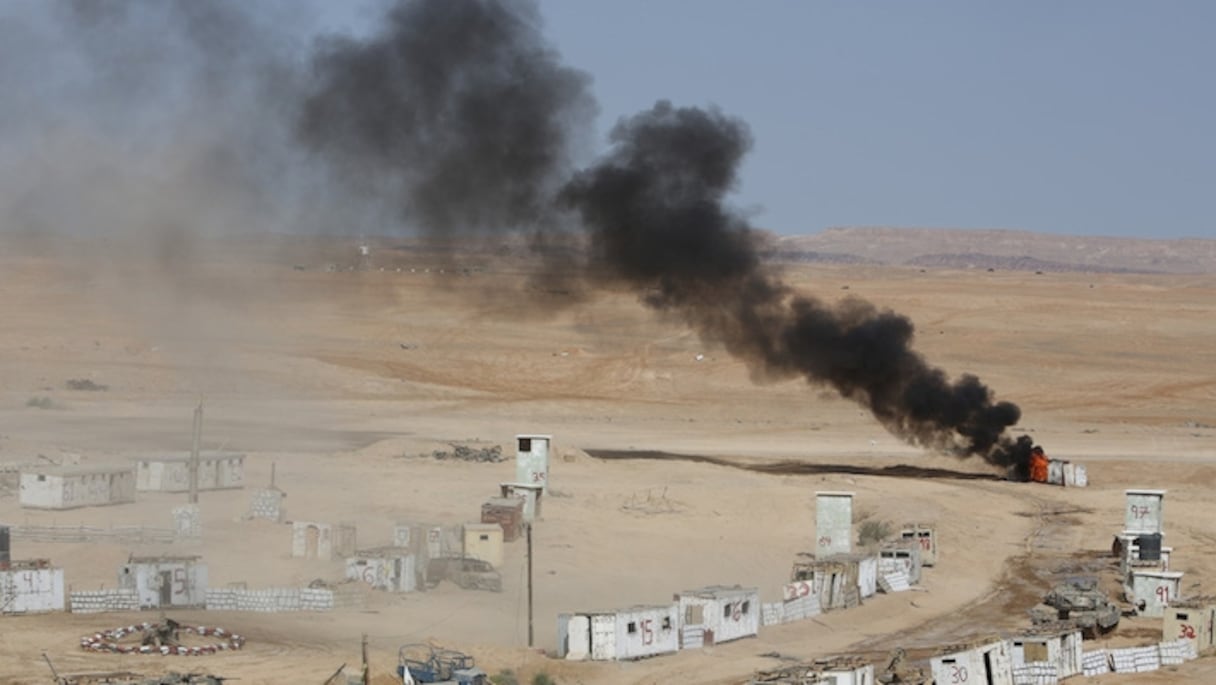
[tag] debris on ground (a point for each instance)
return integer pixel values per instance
(85, 384)
(491, 454)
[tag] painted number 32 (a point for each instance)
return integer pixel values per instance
(1187, 633)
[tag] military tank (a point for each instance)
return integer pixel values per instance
(1079, 602)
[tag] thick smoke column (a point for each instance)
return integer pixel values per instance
(654, 206)
(456, 110)
(461, 114)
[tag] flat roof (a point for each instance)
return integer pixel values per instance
(721, 590)
(637, 607)
(482, 526)
(161, 559)
(1144, 492)
(833, 493)
(534, 436)
(178, 456)
(77, 470)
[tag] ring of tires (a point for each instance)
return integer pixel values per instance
(107, 641)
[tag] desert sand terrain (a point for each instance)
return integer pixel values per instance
(343, 378)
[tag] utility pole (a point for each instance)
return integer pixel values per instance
(194, 447)
(529, 585)
(366, 671)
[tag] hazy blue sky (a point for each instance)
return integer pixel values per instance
(1087, 117)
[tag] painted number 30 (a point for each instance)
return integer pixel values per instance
(958, 674)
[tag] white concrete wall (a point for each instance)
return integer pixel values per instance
(862, 675)
(532, 465)
(833, 523)
(34, 590)
(271, 600)
(103, 601)
(187, 582)
(867, 577)
(389, 573)
(41, 491)
(312, 540)
(1152, 592)
(989, 663)
(1144, 511)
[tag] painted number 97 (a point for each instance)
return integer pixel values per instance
(1140, 511)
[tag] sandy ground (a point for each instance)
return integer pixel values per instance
(342, 378)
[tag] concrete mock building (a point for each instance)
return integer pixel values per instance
(77, 486)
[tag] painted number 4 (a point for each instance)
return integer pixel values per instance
(825, 541)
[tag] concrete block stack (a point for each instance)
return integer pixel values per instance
(270, 600)
(1036, 673)
(267, 504)
(103, 601)
(187, 521)
(1095, 663)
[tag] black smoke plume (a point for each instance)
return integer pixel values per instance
(655, 209)
(456, 110)
(460, 113)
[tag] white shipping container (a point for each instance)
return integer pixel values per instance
(72, 487)
(720, 613)
(1153, 591)
(31, 587)
(622, 634)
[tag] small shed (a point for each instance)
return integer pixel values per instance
(171, 473)
(507, 512)
(1191, 619)
(986, 661)
(30, 587)
(620, 634)
(833, 523)
(166, 581)
(901, 556)
(531, 495)
(69, 487)
(1144, 511)
(312, 540)
(392, 569)
(926, 537)
(483, 541)
(1153, 591)
(532, 460)
(716, 614)
(837, 582)
(1060, 647)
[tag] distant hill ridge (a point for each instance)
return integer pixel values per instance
(996, 249)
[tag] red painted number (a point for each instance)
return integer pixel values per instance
(1188, 632)
(647, 632)
(924, 544)
(1163, 593)
(1140, 511)
(825, 541)
(958, 674)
